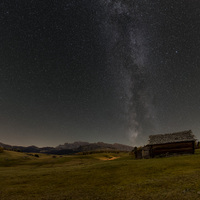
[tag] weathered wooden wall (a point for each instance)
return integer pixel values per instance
(138, 154)
(146, 152)
(179, 148)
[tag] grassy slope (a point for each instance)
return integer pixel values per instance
(24, 177)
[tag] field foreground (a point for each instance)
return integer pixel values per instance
(102, 176)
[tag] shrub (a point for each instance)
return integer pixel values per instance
(197, 145)
(1, 149)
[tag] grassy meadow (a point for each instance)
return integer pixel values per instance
(101, 176)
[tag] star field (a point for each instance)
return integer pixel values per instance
(111, 71)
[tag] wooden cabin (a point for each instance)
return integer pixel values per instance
(171, 143)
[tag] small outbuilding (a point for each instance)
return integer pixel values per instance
(170, 143)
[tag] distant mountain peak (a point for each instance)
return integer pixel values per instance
(70, 148)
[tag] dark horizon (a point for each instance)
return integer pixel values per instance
(70, 143)
(111, 71)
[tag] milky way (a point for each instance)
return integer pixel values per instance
(112, 71)
(128, 48)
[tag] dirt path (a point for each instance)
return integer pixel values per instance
(113, 158)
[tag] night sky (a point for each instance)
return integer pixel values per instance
(103, 70)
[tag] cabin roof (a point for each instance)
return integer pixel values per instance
(183, 136)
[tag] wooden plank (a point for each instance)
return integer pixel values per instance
(173, 145)
(178, 151)
(172, 150)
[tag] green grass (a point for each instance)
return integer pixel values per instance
(25, 177)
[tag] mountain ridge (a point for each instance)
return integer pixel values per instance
(70, 148)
